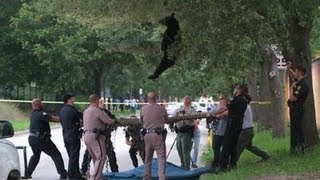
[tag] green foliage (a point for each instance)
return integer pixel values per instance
(315, 35)
(20, 125)
(281, 162)
(65, 43)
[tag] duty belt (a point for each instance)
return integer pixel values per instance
(40, 134)
(155, 130)
(96, 131)
(35, 134)
(89, 131)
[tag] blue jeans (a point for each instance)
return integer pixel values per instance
(195, 148)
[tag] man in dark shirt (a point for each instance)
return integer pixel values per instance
(136, 143)
(236, 110)
(71, 129)
(298, 95)
(39, 139)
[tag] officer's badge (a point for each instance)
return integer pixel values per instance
(44, 113)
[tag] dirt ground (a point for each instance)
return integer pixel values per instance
(306, 176)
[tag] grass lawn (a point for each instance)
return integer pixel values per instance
(281, 162)
(20, 125)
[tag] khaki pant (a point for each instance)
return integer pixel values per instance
(97, 151)
(154, 142)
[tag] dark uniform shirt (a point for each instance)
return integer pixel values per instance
(134, 132)
(70, 117)
(39, 121)
(300, 91)
(236, 109)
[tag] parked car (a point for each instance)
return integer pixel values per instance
(171, 107)
(207, 108)
(198, 107)
(9, 157)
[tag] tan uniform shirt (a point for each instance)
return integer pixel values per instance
(153, 116)
(93, 117)
(188, 111)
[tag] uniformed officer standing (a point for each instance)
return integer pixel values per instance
(39, 139)
(184, 130)
(94, 120)
(136, 143)
(109, 149)
(236, 109)
(153, 118)
(71, 130)
(298, 95)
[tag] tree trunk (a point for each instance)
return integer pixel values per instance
(300, 43)
(271, 90)
(251, 80)
(97, 75)
(277, 88)
(264, 95)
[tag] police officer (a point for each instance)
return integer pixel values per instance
(71, 130)
(184, 130)
(298, 95)
(136, 143)
(39, 139)
(236, 110)
(109, 149)
(94, 121)
(153, 118)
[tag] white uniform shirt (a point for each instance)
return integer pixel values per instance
(247, 119)
(187, 112)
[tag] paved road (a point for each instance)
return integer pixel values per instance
(47, 171)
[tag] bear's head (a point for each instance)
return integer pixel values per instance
(170, 22)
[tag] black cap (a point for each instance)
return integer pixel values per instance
(66, 97)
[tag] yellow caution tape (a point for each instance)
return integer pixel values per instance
(115, 103)
(260, 102)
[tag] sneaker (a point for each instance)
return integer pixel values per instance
(63, 176)
(194, 166)
(263, 159)
(26, 177)
(77, 178)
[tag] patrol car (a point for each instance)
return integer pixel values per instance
(9, 157)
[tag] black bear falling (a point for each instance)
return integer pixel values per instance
(169, 45)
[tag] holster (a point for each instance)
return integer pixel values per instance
(186, 129)
(143, 132)
(41, 135)
(164, 135)
(80, 133)
(98, 132)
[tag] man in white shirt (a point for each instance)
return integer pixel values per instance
(246, 136)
